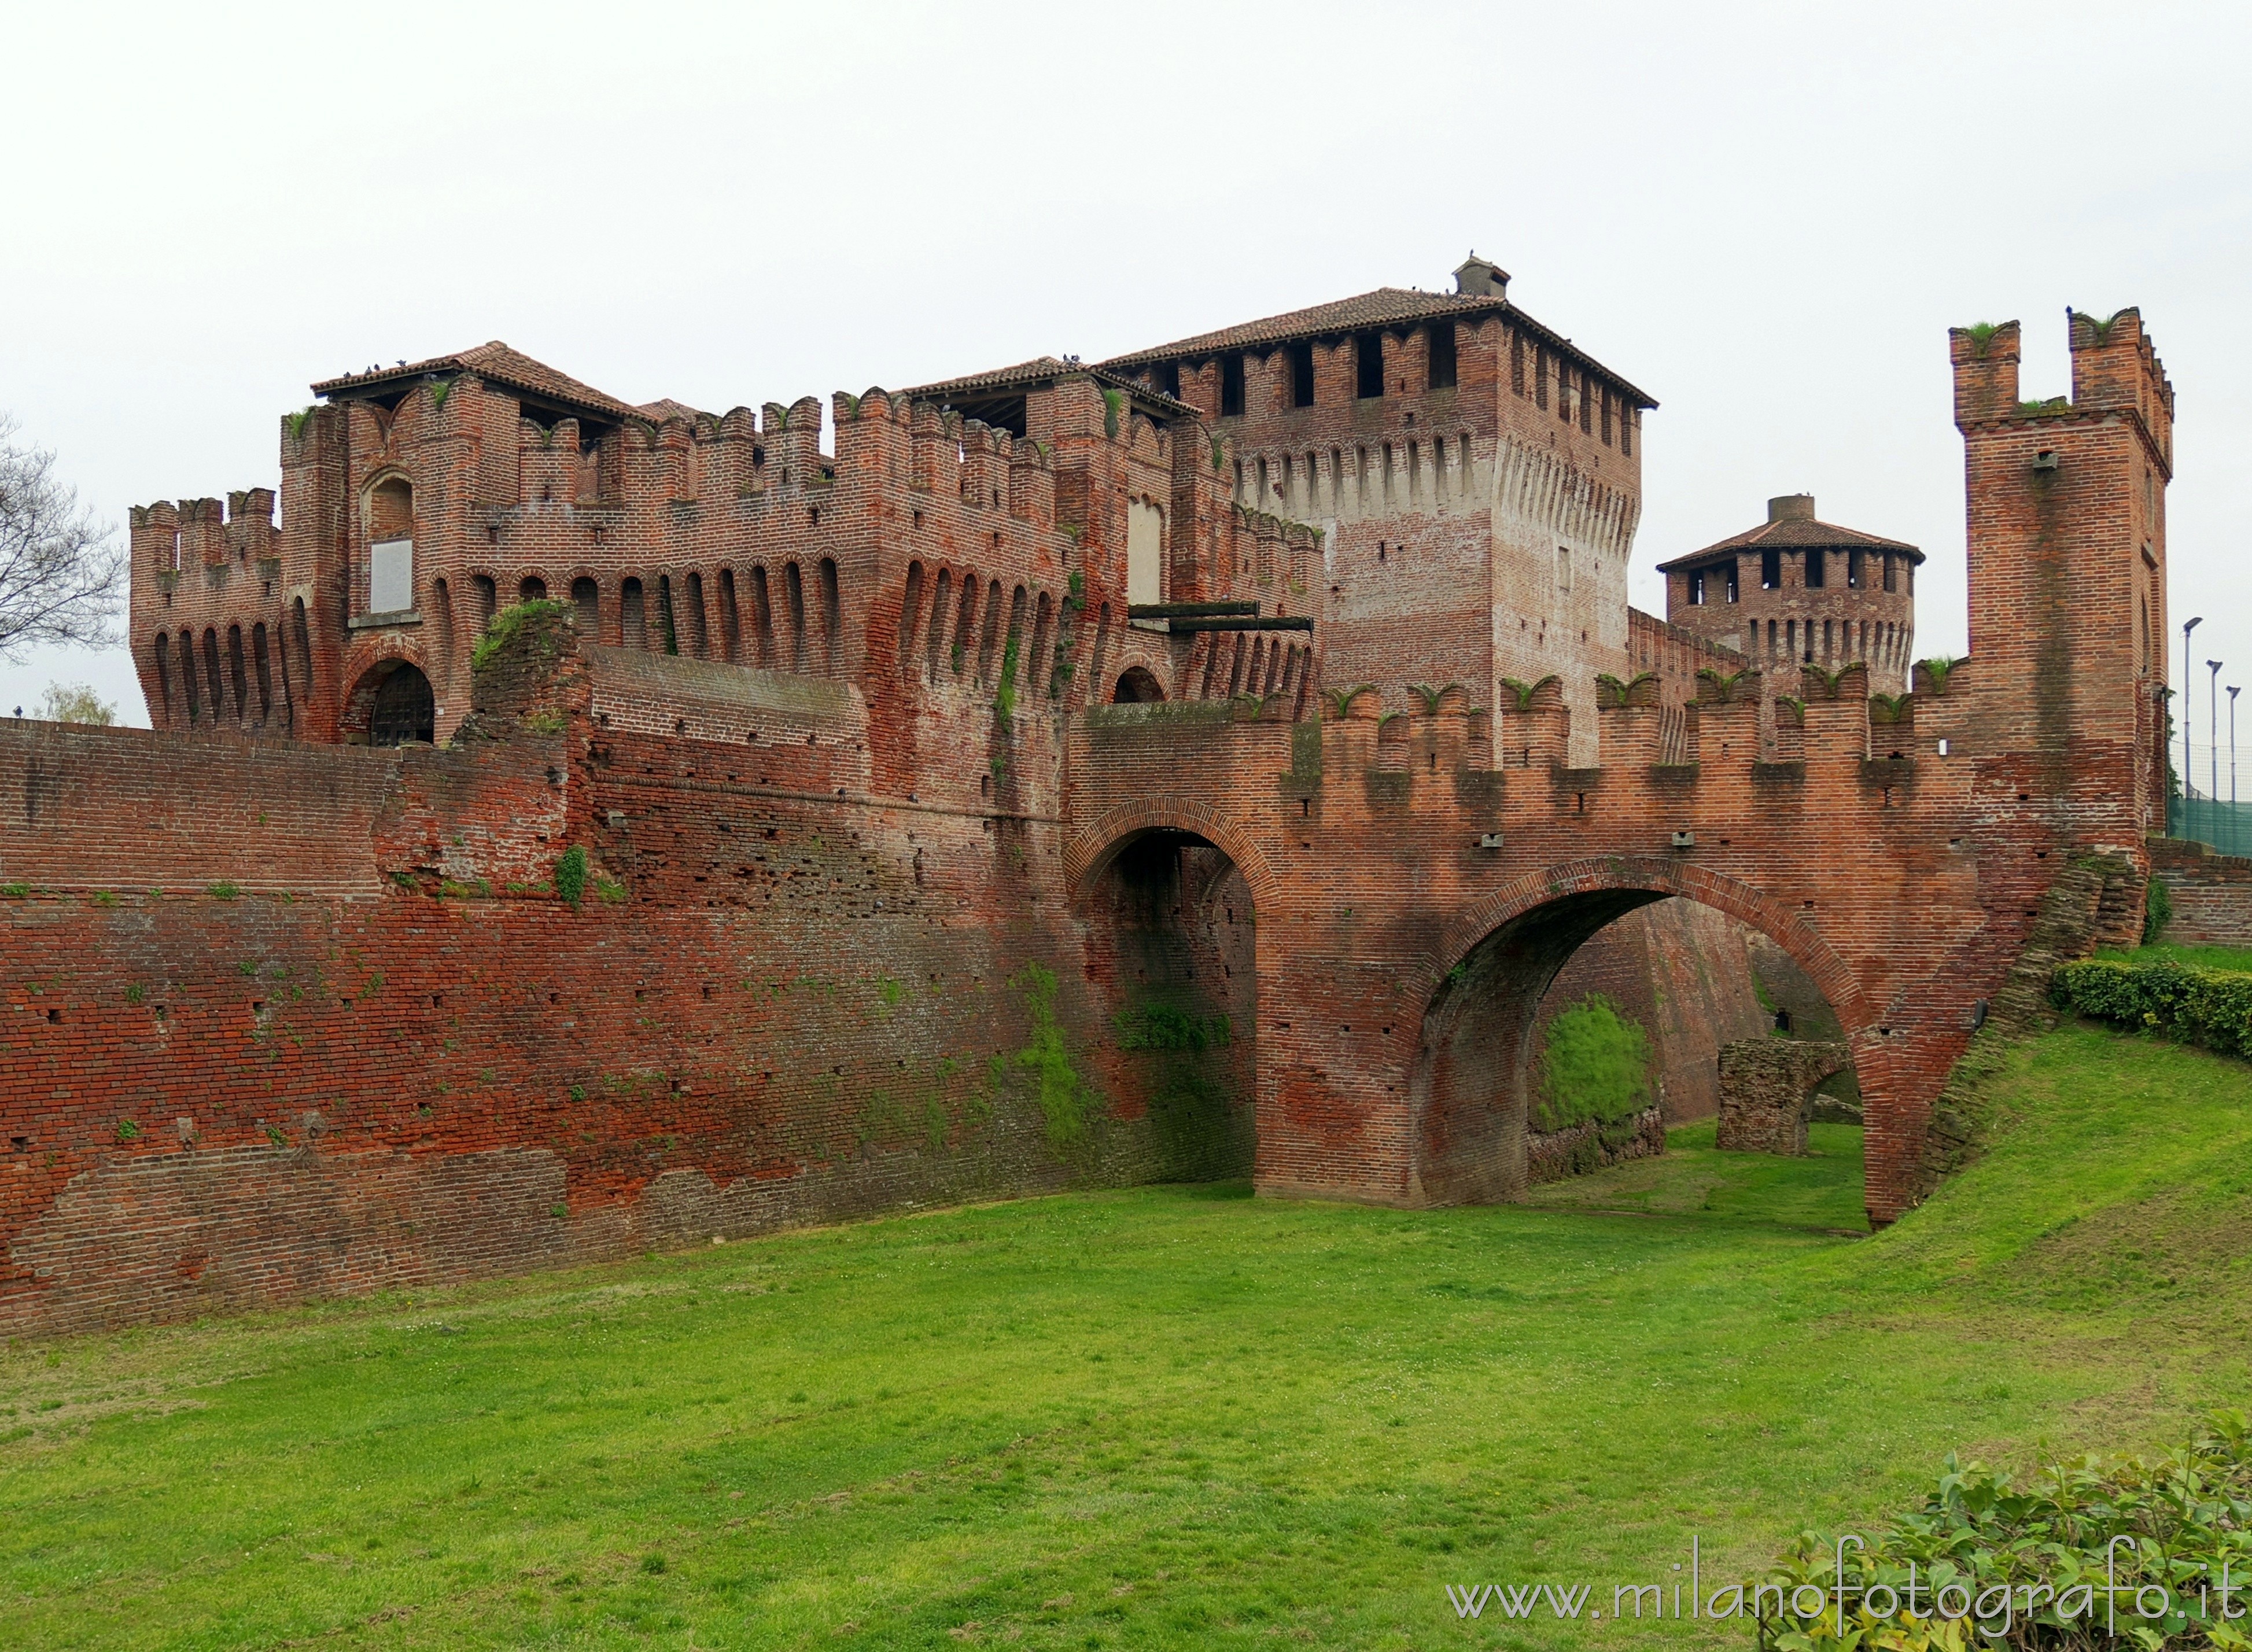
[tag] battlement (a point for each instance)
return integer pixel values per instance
(2114, 365)
(179, 538)
(2115, 369)
(1831, 717)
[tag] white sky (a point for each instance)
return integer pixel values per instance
(1767, 216)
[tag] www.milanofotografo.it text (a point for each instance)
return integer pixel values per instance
(1994, 1608)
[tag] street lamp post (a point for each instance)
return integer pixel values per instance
(2187, 626)
(2213, 729)
(2232, 746)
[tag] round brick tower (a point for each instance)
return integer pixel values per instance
(1798, 590)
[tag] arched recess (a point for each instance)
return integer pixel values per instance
(1468, 1093)
(391, 703)
(1137, 685)
(1095, 844)
(1169, 923)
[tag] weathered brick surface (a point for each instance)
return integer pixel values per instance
(2212, 894)
(1767, 1089)
(869, 922)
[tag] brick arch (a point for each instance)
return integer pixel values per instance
(1468, 1095)
(1095, 845)
(1738, 899)
(362, 668)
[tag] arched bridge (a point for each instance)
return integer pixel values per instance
(1415, 897)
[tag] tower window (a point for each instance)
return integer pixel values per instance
(1816, 574)
(1302, 375)
(1368, 364)
(1770, 570)
(1696, 587)
(1852, 570)
(1231, 386)
(1169, 379)
(1441, 336)
(1732, 579)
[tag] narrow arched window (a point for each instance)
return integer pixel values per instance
(910, 614)
(633, 614)
(792, 588)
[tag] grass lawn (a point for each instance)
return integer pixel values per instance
(1162, 1417)
(2197, 957)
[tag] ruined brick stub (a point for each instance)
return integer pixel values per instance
(1767, 1091)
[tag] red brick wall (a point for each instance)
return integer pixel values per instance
(839, 889)
(2211, 895)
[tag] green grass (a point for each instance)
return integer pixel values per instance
(1161, 1417)
(1822, 1190)
(2196, 957)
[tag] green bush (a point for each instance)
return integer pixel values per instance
(2158, 910)
(571, 875)
(1597, 1066)
(2034, 1563)
(2207, 1007)
(508, 622)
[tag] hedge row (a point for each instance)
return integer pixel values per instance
(2209, 1007)
(2121, 1551)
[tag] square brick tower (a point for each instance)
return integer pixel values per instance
(2068, 570)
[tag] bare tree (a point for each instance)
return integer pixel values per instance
(61, 569)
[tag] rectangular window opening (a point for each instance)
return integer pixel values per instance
(1441, 338)
(1302, 375)
(1231, 386)
(1368, 364)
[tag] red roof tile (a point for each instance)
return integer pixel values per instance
(1793, 534)
(497, 363)
(1386, 306)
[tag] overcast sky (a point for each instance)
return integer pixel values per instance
(1767, 216)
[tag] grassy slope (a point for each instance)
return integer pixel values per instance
(1155, 1418)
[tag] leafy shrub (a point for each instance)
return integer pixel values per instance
(2158, 910)
(1597, 1066)
(505, 624)
(571, 875)
(2208, 1007)
(2030, 1567)
(1157, 1025)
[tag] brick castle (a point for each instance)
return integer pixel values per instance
(577, 825)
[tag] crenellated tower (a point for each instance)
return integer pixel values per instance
(2067, 573)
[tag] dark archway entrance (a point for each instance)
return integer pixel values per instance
(403, 711)
(1171, 956)
(1138, 686)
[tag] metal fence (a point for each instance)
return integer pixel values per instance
(2221, 825)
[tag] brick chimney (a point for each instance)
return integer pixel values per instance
(1792, 507)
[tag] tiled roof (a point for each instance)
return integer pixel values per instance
(667, 408)
(1041, 370)
(497, 363)
(1386, 306)
(1794, 534)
